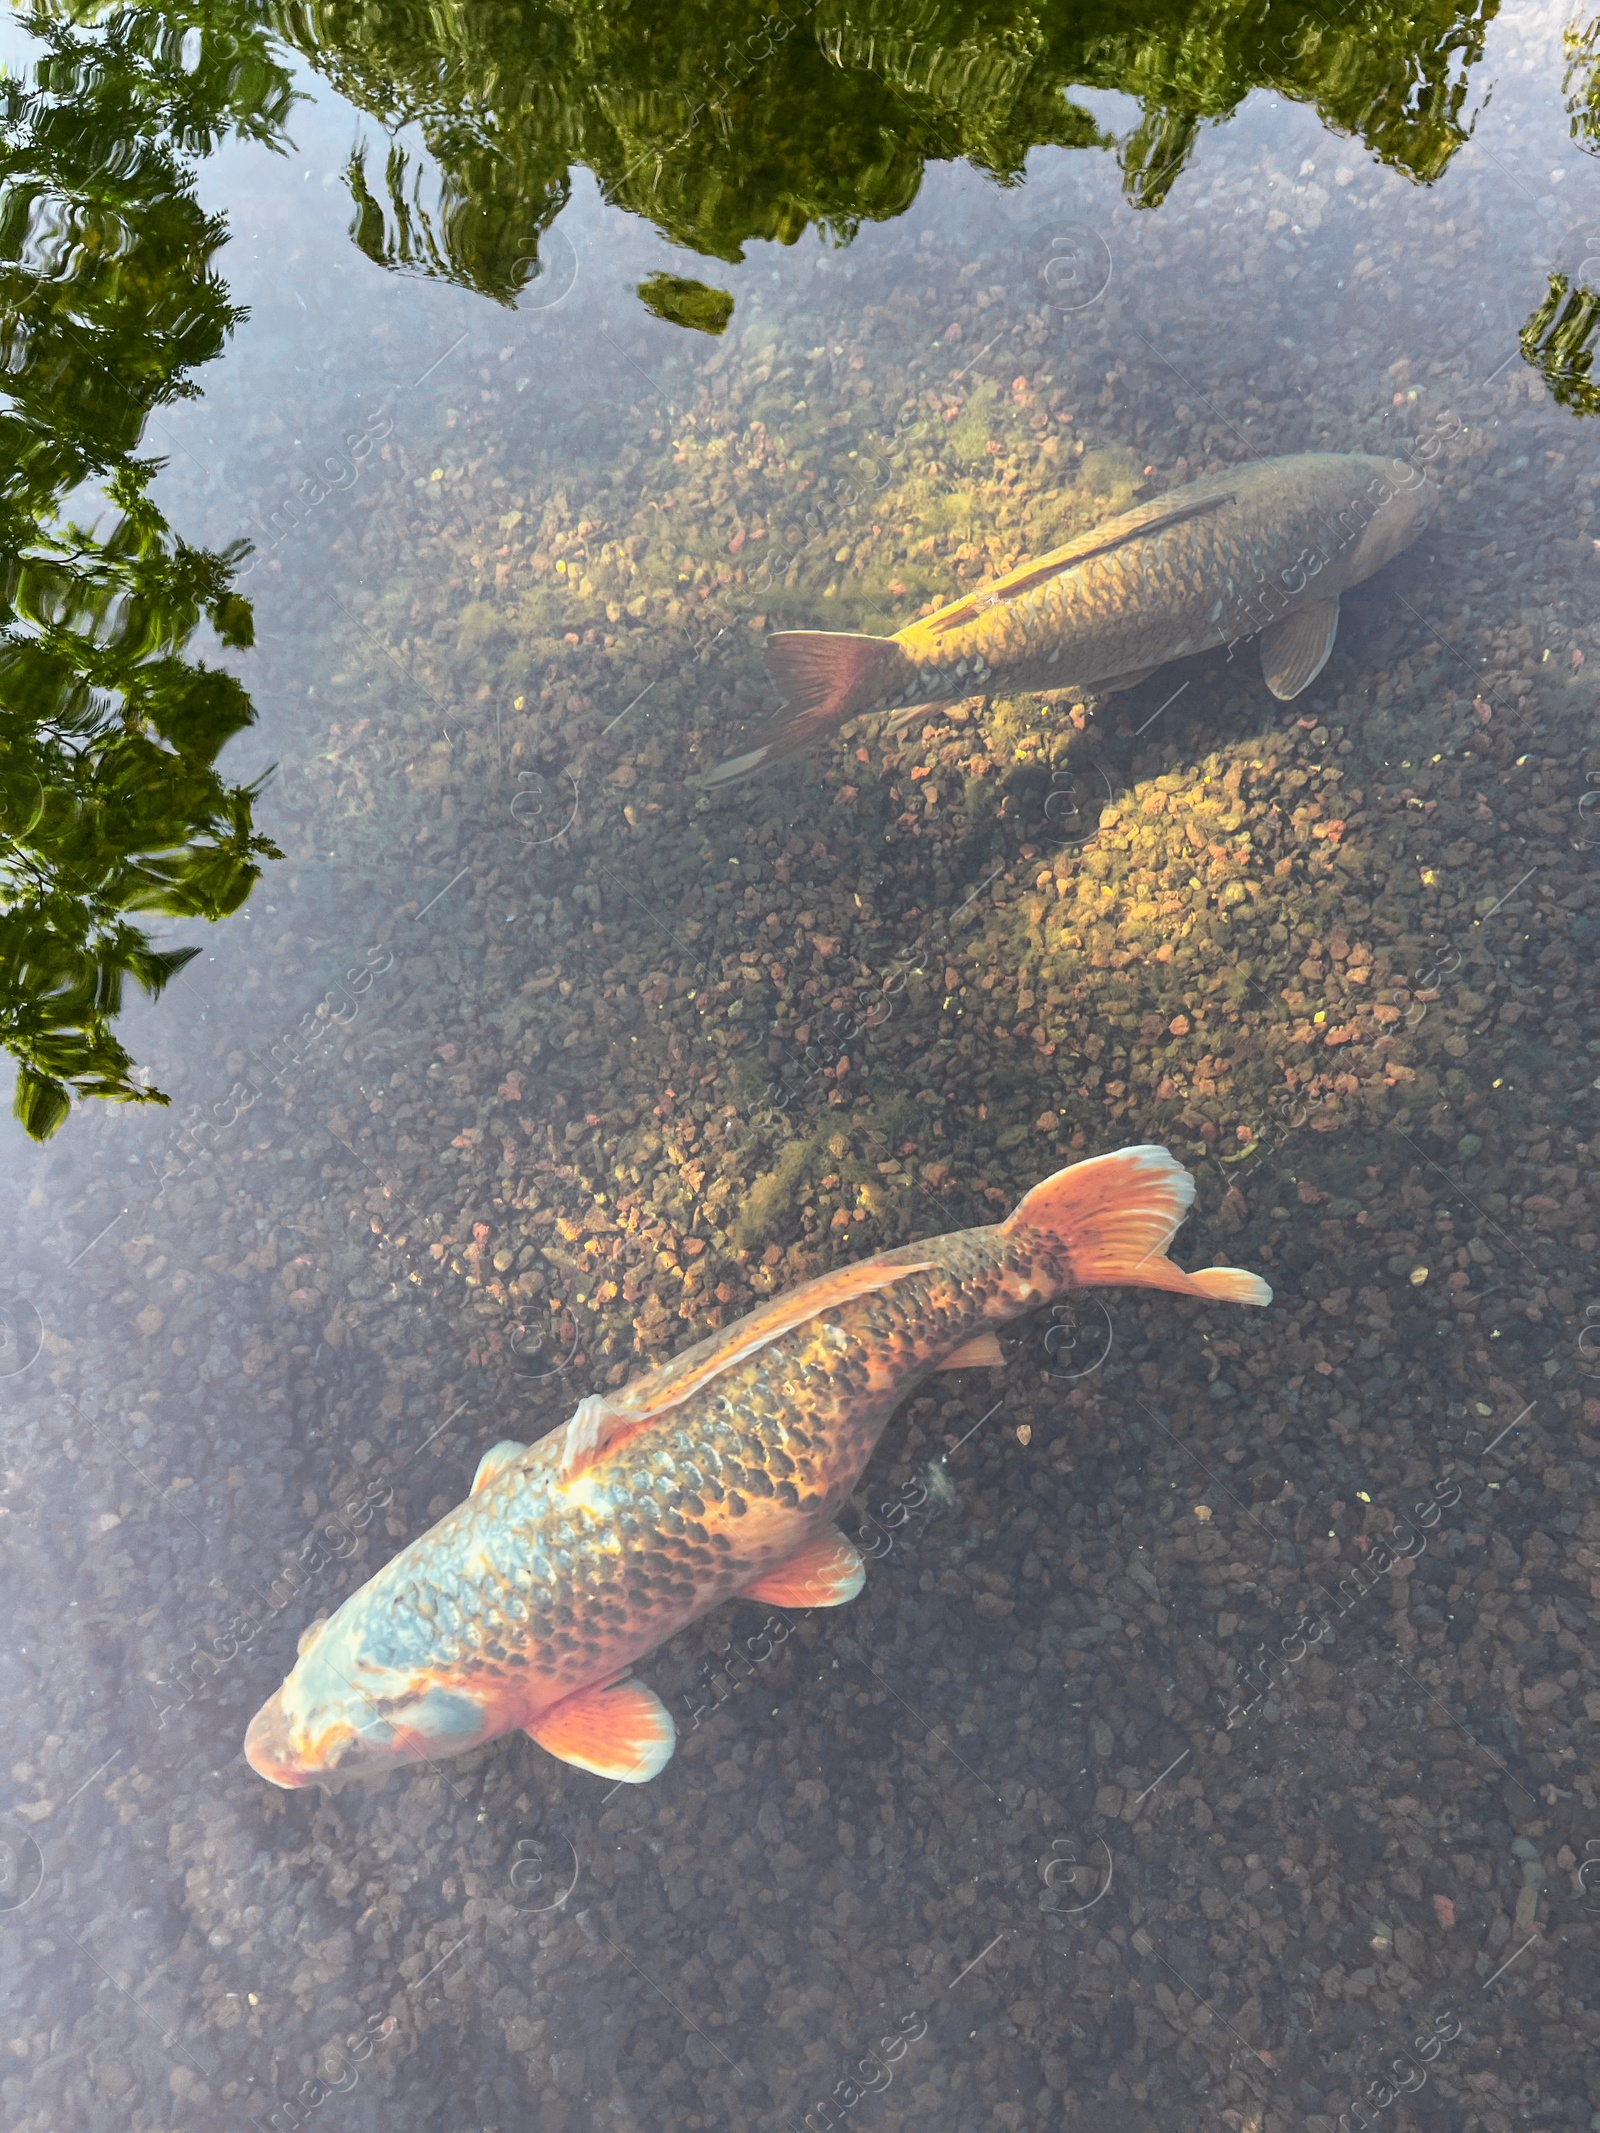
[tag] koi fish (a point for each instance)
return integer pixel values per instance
(1263, 549)
(716, 1475)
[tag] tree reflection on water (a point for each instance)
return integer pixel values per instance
(720, 127)
(1556, 342)
(111, 806)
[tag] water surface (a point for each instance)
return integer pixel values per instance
(1131, 1792)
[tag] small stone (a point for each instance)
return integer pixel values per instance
(1444, 1910)
(769, 1821)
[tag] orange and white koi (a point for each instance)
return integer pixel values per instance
(717, 1475)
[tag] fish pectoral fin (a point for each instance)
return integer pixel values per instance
(826, 1572)
(982, 1352)
(310, 1634)
(623, 1732)
(494, 1462)
(1295, 650)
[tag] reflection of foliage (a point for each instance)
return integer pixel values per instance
(1556, 342)
(1156, 151)
(719, 126)
(1580, 85)
(687, 303)
(109, 799)
(1395, 77)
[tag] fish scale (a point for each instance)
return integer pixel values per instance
(717, 1474)
(670, 1560)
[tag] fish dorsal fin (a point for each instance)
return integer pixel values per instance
(603, 1421)
(1135, 525)
(1295, 650)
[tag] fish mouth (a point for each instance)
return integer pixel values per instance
(292, 1746)
(272, 1756)
(270, 1750)
(267, 1749)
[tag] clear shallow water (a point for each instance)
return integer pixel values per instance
(526, 1059)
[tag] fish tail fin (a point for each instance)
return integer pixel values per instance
(1113, 1217)
(824, 677)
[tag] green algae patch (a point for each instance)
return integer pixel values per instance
(770, 1198)
(682, 302)
(1110, 477)
(970, 435)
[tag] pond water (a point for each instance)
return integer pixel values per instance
(1213, 1741)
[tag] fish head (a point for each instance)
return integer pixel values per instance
(1399, 499)
(342, 1714)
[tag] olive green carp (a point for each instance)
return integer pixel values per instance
(715, 1476)
(1263, 550)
